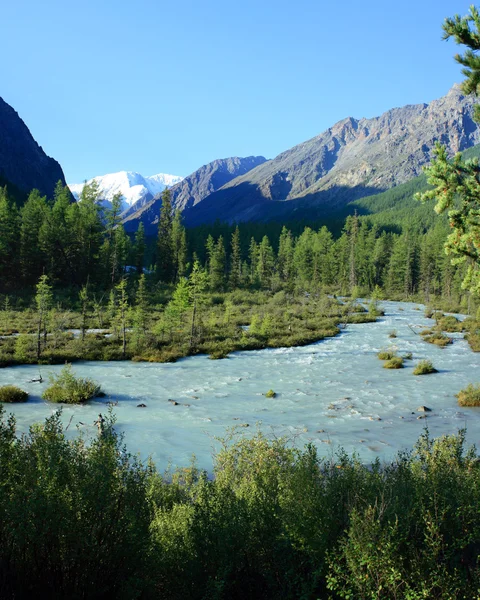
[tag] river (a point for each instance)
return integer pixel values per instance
(334, 394)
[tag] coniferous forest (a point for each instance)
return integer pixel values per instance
(81, 517)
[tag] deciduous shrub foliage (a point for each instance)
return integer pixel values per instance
(85, 519)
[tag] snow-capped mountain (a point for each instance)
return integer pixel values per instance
(133, 186)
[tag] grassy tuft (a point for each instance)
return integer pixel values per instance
(12, 393)
(424, 367)
(394, 363)
(69, 389)
(470, 396)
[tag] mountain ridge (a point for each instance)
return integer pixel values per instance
(23, 162)
(352, 159)
(192, 189)
(134, 187)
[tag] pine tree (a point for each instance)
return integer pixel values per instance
(84, 305)
(32, 258)
(165, 252)
(139, 248)
(235, 260)
(179, 246)
(43, 300)
(265, 263)
(122, 312)
(9, 238)
(140, 315)
(217, 266)
(285, 260)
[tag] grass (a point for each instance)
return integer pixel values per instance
(438, 339)
(424, 367)
(69, 389)
(386, 354)
(282, 320)
(393, 334)
(450, 324)
(270, 394)
(470, 396)
(394, 363)
(12, 393)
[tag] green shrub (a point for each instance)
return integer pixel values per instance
(470, 396)
(438, 339)
(12, 393)
(386, 354)
(270, 394)
(407, 356)
(394, 363)
(69, 389)
(393, 334)
(424, 367)
(450, 324)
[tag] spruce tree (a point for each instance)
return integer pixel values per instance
(139, 248)
(235, 260)
(43, 300)
(165, 254)
(179, 247)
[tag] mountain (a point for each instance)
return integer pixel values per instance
(192, 190)
(23, 163)
(352, 159)
(134, 188)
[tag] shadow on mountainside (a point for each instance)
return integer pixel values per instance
(245, 202)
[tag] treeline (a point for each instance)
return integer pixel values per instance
(78, 243)
(85, 520)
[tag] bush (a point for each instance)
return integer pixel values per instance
(69, 389)
(386, 354)
(424, 367)
(470, 396)
(438, 339)
(393, 334)
(270, 394)
(12, 393)
(394, 363)
(450, 324)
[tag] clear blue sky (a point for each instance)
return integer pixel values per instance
(161, 86)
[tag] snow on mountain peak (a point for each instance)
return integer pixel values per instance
(133, 186)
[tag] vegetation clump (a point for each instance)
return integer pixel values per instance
(424, 367)
(12, 393)
(393, 333)
(387, 354)
(450, 324)
(470, 396)
(292, 523)
(69, 389)
(270, 394)
(394, 363)
(438, 339)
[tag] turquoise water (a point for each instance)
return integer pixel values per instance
(333, 393)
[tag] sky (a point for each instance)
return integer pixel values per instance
(160, 86)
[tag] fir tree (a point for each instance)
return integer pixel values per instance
(165, 253)
(235, 260)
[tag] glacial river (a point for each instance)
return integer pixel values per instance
(333, 393)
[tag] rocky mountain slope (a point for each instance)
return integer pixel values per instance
(135, 188)
(23, 162)
(192, 190)
(352, 159)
